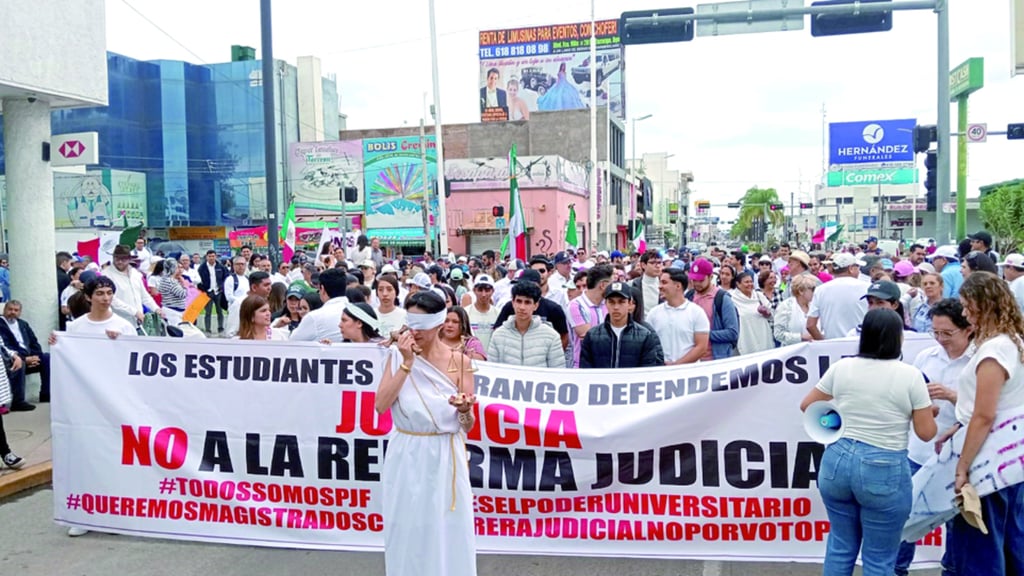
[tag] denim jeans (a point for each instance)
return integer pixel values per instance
(1001, 552)
(867, 493)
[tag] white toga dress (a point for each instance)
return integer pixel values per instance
(428, 503)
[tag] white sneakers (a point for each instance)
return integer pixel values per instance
(75, 531)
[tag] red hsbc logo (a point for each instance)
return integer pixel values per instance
(71, 149)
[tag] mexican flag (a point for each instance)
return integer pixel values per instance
(639, 239)
(288, 247)
(830, 233)
(571, 241)
(516, 223)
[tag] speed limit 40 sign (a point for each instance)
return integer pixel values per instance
(977, 133)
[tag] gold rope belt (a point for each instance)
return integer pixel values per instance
(451, 436)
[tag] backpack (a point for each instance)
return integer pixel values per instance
(717, 308)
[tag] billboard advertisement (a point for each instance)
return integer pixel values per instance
(544, 68)
(96, 199)
(871, 142)
(532, 172)
(317, 170)
(394, 180)
(894, 176)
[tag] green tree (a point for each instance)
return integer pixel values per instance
(1003, 213)
(753, 207)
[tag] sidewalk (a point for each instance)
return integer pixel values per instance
(28, 434)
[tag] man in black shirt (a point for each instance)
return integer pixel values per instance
(548, 310)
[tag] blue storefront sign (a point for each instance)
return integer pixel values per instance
(871, 141)
(870, 222)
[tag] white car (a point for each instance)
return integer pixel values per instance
(607, 64)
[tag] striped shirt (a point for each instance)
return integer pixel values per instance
(583, 312)
(173, 295)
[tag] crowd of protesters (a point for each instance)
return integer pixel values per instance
(614, 310)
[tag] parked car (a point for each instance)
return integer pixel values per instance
(534, 78)
(606, 64)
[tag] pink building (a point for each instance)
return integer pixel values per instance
(548, 186)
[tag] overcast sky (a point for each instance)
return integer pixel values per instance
(737, 111)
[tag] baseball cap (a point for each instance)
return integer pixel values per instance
(845, 260)
(886, 264)
(462, 260)
(766, 258)
(903, 269)
(388, 269)
(456, 274)
(530, 275)
(562, 257)
(948, 252)
(1013, 260)
(603, 253)
(925, 268)
(483, 280)
(884, 290)
(368, 264)
(871, 239)
(800, 256)
(420, 279)
(701, 269)
(620, 289)
(295, 292)
(616, 254)
(540, 260)
(982, 236)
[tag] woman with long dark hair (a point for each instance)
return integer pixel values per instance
(864, 477)
(359, 323)
(457, 334)
(427, 498)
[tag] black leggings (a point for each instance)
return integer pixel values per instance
(4, 448)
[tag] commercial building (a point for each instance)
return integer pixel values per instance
(556, 148)
(189, 139)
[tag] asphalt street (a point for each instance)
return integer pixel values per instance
(32, 545)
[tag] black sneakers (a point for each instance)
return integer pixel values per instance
(13, 461)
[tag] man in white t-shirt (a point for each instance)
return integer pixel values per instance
(647, 288)
(681, 325)
(1013, 272)
(837, 306)
(482, 314)
(236, 285)
(101, 318)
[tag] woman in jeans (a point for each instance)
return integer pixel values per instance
(992, 382)
(864, 477)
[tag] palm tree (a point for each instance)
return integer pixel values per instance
(753, 207)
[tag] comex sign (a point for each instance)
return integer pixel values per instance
(871, 142)
(872, 177)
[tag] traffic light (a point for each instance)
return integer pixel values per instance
(498, 211)
(931, 163)
(735, 205)
(348, 194)
(776, 207)
(806, 205)
(1015, 132)
(703, 205)
(923, 137)
(633, 32)
(836, 24)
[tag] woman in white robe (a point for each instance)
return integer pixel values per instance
(428, 503)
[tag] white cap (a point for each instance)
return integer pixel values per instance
(483, 280)
(843, 260)
(948, 252)
(925, 268)
(388, 269)
(368, 264)
(1013, 260)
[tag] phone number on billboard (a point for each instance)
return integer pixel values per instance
(529, 49)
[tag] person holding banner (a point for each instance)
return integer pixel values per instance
(427, 498)
(864, 477)
(991, 383)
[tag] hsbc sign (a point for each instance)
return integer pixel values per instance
(78, 149)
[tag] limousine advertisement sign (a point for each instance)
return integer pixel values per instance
(544, 68)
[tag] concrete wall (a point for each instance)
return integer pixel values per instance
(55, 49)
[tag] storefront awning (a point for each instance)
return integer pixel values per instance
(397, 236)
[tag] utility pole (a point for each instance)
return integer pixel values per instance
(943, 145)
(442, 208)
(269, 136)
(592, 172)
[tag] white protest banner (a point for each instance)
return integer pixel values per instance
(278, 444)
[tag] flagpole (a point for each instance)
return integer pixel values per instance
(592, 172)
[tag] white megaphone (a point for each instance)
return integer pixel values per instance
(823, 422)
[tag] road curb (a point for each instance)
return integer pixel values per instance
(26, 479)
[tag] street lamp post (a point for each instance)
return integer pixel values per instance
(632, 170)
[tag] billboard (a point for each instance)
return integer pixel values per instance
(394, 180)
(317, 170)
(532, 172)
(96, 199)
(893, 176)
(871, 142)
(543, 68)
